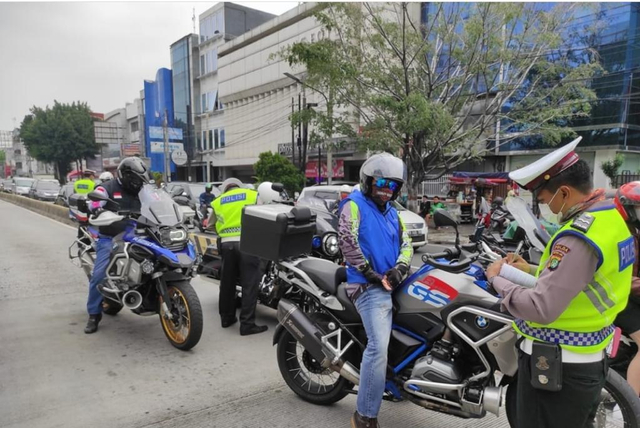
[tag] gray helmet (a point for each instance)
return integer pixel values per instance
(382, 165)
(230, 183)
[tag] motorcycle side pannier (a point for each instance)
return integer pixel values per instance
(276, 232)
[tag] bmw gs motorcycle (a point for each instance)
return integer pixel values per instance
(152, 263)
(451, 349)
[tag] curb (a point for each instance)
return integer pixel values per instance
(47, 209)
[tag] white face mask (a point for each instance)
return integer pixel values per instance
(549, 215)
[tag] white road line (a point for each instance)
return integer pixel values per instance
(38, 214)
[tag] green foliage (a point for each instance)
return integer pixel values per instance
(157, 177)
(611, 166)
(433, 93)
(3, 158)
(61, 135)
(278, 169)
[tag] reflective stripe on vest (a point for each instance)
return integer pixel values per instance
(228, 210)
(585, 326)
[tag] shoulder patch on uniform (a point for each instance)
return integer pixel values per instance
(583, 222)
(626, 253)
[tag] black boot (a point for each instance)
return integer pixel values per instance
(252, 329)
(359, 421)
(228, 322)
(92, 324)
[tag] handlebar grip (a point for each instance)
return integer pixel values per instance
(448, 253)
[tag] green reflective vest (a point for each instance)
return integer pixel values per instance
(84, 186)
(228, 210)
(585, 326)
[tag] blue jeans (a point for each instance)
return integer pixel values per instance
(103, 253)
(375, 308)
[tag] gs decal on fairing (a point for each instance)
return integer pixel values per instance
(433, 291)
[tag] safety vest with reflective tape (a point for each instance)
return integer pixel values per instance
(228, 210)
(84, 186)
(585, 326)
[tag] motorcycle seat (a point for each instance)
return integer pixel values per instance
(350, 314)
(325, 274)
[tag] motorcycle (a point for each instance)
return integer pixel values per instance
(189, 213)
(451, 349)
(151, 265)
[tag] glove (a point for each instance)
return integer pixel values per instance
(97, 213)
(395, 274)
(372, 276)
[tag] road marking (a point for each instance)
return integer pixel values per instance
(38, 214)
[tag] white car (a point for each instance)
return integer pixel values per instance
(21, 186)
(416, 226)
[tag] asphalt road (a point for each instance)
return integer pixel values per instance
(127, 374)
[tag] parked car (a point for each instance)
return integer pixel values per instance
(44, 190)
(63, 195)
(5, 185)
(21, 185)
(416, 226)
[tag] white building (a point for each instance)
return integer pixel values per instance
(22, 163)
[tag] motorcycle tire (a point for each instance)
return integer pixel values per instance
(185, 307)
(293, 375)
(615, 386)
(110, 307)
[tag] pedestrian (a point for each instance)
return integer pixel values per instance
(627, 200)
(131, 175)
(425, 207)
(378, 252)
(436, 205)
(583, 282)
(236, 265)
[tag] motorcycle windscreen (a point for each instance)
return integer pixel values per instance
(527, 221)
(157, 206)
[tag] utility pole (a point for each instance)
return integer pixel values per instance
(293, 139)
(189, 143)
(319, 163)
(302, 157)
(165, 132)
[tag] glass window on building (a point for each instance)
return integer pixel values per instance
(204, 140)
(222, 139)
(135, 127)
(216, 140)
(204, 103)
(210, 139)
(203, 69)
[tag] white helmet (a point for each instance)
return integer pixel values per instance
(230, 183)
(266, 195)
(105, 176)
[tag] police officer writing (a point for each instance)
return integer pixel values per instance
(583, 282)
(378, 252)
(131, 175)
(236, 265)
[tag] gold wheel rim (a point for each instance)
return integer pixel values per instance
(178, 334)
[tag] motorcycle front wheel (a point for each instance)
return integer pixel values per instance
(184, 327)
(619, 406)
(306, 377)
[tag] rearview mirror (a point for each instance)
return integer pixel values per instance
(278, 187)
(442, 217)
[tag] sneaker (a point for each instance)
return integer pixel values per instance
(92, 324)
(253, 329)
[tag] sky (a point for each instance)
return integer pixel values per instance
(97, 52)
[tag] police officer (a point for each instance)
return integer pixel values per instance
(85, 185)
(132, 174)
(378, 253)
(583, 282)
(226, 218)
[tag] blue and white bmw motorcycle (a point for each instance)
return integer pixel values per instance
(451, 349)
(152, 263)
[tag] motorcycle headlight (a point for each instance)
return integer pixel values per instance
(330, 244)
(178, 235)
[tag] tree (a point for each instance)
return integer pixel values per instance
(611, 167)
(60, 135)
(473, 77)
(278, 169)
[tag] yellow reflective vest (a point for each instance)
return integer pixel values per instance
(228, 210)
(84, 186)
(586, 325)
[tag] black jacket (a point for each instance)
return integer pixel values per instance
(126, 202)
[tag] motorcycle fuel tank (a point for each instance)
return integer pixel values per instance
(431, 290)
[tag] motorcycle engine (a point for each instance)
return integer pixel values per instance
(439, 366)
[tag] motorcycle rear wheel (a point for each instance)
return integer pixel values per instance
(619, 406)
(306, 377)
(185, 328)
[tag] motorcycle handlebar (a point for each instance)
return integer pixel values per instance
(449, 253)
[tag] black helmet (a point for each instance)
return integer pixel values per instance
(208, 187)
(132, 174)
(498, 201)
(382, 165)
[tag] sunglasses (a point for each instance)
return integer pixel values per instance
(384, 182)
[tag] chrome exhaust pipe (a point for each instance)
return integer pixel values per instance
(309, 335)
(132, 300)
(492, 399)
